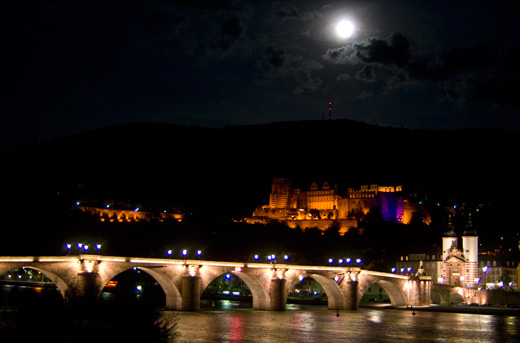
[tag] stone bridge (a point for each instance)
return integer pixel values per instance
(183, 281)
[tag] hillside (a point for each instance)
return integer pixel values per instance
(227, 172)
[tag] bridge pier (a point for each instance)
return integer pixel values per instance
(190, 292)
(419, 291)
(277, 293)
(350, 290)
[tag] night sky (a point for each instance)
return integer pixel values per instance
(73, 66)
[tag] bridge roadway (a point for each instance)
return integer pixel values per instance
(183, 281)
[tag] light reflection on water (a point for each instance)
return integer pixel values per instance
(313, 324)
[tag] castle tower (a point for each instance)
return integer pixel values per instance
(470, 246)
(449, 241)
(280, 193)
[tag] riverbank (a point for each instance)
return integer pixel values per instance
(499, 311)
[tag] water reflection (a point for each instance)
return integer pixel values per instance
(312, 324)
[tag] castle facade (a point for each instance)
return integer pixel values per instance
(324, 206)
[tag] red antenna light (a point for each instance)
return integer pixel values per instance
(330, 109)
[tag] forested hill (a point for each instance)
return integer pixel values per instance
(231, 169)
(218, 174)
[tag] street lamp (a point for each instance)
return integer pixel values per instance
(169, 253)
(184, 253)
(199, 254)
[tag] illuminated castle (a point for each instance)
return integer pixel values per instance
(325, 206)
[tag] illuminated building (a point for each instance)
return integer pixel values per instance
(324, 206)
(426, 262)
(498, 271)
(108, 214)
(460, 266)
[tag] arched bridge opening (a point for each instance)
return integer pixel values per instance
(31, 286)
(227, 291)
(134, 285)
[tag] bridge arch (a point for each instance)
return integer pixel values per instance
(60, 283)
(394, 288)
(261, 297)
(335, 297)
(173, 298)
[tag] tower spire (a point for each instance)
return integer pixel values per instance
(469, 230)
(451, 232)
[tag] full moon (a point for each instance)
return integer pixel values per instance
(344, 29)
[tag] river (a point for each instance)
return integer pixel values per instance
(313, 324)
(234, 321)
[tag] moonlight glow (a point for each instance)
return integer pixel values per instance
(344, 29)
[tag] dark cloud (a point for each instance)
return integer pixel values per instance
(482, 72)
(380, 51)
(366, 74)
(287, 12)
(274, 57)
